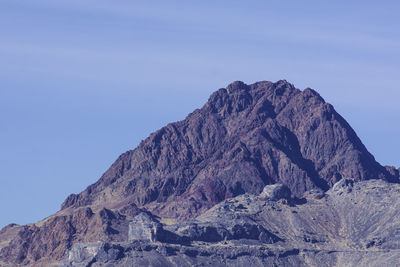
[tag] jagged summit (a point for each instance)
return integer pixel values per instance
(244, 138)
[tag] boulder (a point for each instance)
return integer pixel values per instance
(343, 186)
(143, 227)
(275, 192)
(314, 193)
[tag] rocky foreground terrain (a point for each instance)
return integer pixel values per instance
(258, 176)
(352, 224)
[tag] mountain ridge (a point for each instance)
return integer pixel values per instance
(227, 104)
(244, 138)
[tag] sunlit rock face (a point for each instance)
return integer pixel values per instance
(352, 224)
(243, 138)
(276, 151)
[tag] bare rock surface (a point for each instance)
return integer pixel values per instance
(276, 192)
(244, 138)
(335, 230)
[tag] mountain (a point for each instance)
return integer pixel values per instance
(244, 138)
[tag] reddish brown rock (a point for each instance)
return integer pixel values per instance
(243, 138)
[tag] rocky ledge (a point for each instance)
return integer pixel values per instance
(352, 224)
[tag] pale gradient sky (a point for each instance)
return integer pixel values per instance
(84, 81)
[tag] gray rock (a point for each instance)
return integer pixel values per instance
(217, 231)
(354, 224)
(345, 185)
(275, 192)
(143, 227)
(314, 193)
(81, 254)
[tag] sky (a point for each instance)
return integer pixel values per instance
(83, 81)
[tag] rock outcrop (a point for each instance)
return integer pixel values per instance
(244, 138)
(276, 192)
(356, 227)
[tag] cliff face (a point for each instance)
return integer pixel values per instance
(243, 138)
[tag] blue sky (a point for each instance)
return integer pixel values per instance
(83, 81)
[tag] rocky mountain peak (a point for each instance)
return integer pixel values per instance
(243, 139)
(236, 86)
